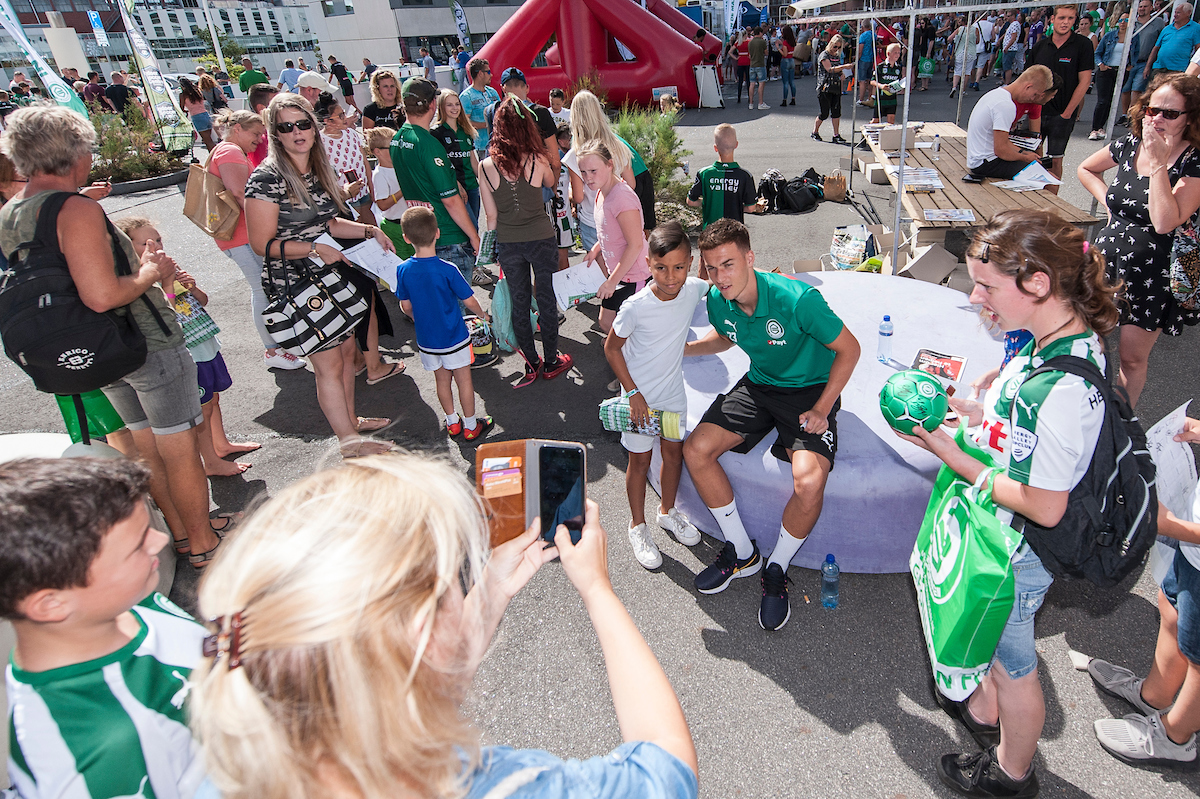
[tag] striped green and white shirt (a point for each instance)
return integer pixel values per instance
(114, 726)
(1048, 442)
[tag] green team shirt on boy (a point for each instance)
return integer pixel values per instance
(113, 726)
(725, 191)
(427, 177)
(787, 337)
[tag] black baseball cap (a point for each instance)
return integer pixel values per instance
(512, 73)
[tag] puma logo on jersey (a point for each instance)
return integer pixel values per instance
(180, 695)
(1030, 410)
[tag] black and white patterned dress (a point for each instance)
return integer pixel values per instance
(1132, 248)
(296, 222)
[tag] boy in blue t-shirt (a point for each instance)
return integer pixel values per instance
(429, 290)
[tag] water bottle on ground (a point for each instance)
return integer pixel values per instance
(884, 353)
(829, 582)
(936, 150)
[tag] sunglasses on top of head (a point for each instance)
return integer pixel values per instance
(288, 127)
(1167, 113)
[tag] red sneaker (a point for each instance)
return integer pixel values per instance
(553, 370)
(483, 424)
(456, 428)
(530, 376)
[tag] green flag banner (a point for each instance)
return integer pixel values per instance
(926, 67)
(173, 125)
(56, 86)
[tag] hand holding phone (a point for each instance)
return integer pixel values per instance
(585, 560)
(351, 175)
(558, 474)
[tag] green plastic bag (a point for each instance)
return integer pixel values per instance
(502, 308)
(102, 417)
(961, 566)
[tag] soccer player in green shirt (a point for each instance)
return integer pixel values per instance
(427, 177)
(250, 76)
(801, 357)
(723, 190)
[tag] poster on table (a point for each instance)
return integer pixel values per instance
(173, 124)
(56, 86)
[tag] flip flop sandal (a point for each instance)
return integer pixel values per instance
(358, 372)
(201, 560)
(354, 450)
(182, 545)
(396, 369)
(230, 519)
(372, 423)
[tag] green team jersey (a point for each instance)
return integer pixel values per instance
(113, 726)
(427, 177)
(1043, 430)
(724, 191)
(886, 73)
(635, 160)
(787, 337)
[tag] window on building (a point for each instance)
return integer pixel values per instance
(337, 8)
(191, 16)
(172, 16)
(159, 32)
(154, 20)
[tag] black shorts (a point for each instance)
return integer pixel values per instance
(752, 410)
(999, 168)
(831, 105)
(643, 187)
(624, 291)
(1057, 132)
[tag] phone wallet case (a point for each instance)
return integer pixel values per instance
(500, 469)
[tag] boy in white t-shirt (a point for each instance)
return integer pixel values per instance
(558, 109)
(389, 199)
(645, 349)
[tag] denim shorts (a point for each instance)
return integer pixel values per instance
(1182, 587)
(1017, 651)
(460, 255)
(587, 235)
(202, 121)
(162, 394)
(1135, 78)
(758, 74)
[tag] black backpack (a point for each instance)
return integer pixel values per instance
(1111, 519)
(65, 346)
(774, 191)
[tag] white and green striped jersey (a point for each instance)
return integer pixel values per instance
(1048, 441)
(114, 726)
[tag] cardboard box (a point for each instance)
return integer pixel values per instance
(803, 265)
(884, 237)
(924, 236)
(846, 164)
(931, 264)
(876, 174)
(960, 280)
(901, 258)
(889, 137)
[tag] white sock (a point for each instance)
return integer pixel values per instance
(469, 422)
(785, 549)
(451, 418)
(731, 527)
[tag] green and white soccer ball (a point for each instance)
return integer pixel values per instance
(912, 398)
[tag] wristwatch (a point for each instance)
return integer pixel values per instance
(312, 252)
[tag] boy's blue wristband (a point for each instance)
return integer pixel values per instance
(629, 394)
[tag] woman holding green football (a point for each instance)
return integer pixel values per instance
(1034, 271)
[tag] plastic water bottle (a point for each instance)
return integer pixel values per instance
(936, 149)
(687, 167)
(829, 582)
(884, 353)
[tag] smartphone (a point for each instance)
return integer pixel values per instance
(969, 178)
(351, 175)
(556, 486)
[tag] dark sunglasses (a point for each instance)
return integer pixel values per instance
(306, 124)
(1167, 113)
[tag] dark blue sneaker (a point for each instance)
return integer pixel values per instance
(775, 610)
(716, 577)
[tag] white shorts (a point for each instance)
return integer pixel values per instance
(983, 59)
(450, 361)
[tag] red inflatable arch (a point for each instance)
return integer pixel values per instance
(659, 36)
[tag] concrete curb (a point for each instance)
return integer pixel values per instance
(145, 184)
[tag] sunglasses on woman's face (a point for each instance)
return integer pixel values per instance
(288, 127)
(1167, 113)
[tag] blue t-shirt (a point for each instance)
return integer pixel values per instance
(288, 78)
(865, 51)
(475, 102)
(1175, 46)
(434, 287)
(635, 769)
(463, 58)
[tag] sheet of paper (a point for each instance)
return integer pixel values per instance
(577, 284)
(1036, 173)
(370, 257)
(1176, 477)
(949, 215)
(1016, 185)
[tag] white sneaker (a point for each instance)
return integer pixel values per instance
(751, 106)
(1121, 683)
(1142, 739)
(678, 525)
(644, 548)
(763, 107)
(282, 360)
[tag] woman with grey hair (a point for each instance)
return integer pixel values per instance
(52, 147)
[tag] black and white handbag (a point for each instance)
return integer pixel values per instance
(313, 311)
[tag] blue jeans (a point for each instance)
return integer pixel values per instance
(787, 74)
(460, 255)
(1017, 651)
(473, 206)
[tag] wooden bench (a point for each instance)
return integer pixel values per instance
(984, 199)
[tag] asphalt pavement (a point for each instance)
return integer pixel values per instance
(836, 704)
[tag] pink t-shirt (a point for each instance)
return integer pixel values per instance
(230, 153)
(346, 154)
(612, 241)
